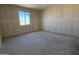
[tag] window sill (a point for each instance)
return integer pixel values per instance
(25, 25)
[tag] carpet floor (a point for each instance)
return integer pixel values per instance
(41, 43)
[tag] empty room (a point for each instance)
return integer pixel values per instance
(39, 29)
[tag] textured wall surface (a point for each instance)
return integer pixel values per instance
(10, 20)
(61, 19)
(58, 18)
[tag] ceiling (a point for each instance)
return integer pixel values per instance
(35, 6)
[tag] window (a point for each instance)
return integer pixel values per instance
(24, 18)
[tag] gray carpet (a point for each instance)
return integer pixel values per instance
(41, 43)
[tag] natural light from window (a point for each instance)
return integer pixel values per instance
(24, 18)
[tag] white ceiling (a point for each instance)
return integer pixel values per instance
(35, 6)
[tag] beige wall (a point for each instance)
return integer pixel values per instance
(61, 19)
(10, 21)
(58, 18)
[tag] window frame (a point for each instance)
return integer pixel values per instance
(24, 17)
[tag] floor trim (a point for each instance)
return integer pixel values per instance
(3, 39)
(63, 34)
